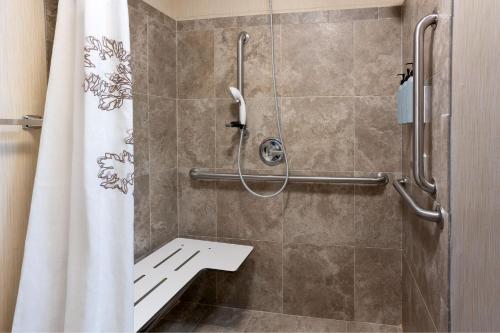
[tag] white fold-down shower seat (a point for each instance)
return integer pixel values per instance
(162, 277)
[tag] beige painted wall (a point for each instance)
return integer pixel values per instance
(23, 73)
(194, 9)
(475, 167)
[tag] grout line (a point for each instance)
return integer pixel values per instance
(253, 312)
(148, 134)
(177, 122)
(420, 294)
(214, 186)
(291, 97)
(298, 243)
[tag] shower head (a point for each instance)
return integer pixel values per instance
(235, 94)
(238, 98)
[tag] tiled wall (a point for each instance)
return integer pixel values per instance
(323, 251)
(425, 244)
(153, 40)
(50, 27)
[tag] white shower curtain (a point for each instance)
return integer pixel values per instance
(78, 262)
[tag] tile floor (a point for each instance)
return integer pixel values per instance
(192, 317)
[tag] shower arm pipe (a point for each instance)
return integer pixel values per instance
(380, 179)
(418, 103)
(242, 40)
(436, 215)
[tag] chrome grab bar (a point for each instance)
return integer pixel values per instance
(380, 179)
(27, 122)
(418, 104)
(430, 215)
(242, 40)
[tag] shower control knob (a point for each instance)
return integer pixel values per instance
(271, 151)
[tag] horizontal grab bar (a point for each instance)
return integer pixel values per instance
(380, 179)
(430, 215)
(27, 122)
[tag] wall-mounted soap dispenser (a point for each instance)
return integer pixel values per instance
(405, 100)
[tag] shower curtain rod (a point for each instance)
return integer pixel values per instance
(380, 179)
(27, 122)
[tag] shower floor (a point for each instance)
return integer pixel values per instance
(192, 317)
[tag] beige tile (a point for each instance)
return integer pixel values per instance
(319, 133)
(203, 289)
(441, 117)
(409, 20)
(389, 12)
(441, 46)
(197, 206)
(254, 20)
(276, 322)
(139, 50)
(185, 25)
(377, 216)
(50, 19)
(141, 135)
(141, 216)
(138, 23)
(257, 64)
(261, 121)
(152, 13)
(170, 23)
(196, 133)
(318, 281)
(222, 319)
(348, 15)
(354, 326)
(319, 214)
(415, 316)
(195, 25)
(225, 22)
(162, 134)
(378, 135)
(174, 326)
(161, 60)
(407, 153)
(258, 282)
(195, 64)
(184, 317)
(377, 56)
(163, 207)
(428, 258)
(377, 284)
(242, 215)
(423, 8)
(304, 17)
(319, 66)
(48, 52)
(139, 76)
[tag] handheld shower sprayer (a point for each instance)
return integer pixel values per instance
(237, 95)
(238, 98)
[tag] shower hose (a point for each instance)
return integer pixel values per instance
(278, 122)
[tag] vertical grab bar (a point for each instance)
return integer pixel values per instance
(418, 104)
(242, 40)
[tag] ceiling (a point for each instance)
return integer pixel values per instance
(196, 9)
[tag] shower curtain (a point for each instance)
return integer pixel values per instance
(77, 272)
